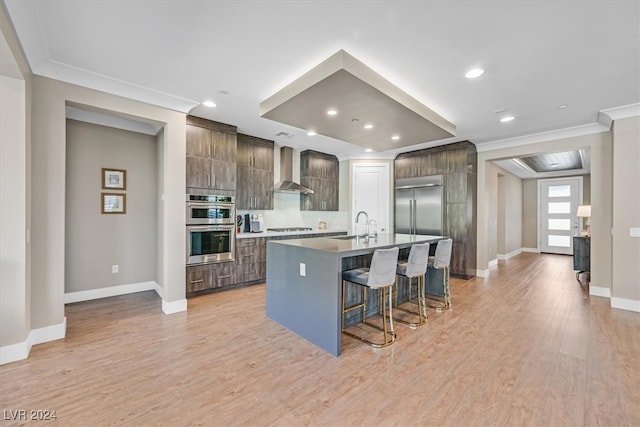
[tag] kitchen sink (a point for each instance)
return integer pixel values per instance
(343, 237)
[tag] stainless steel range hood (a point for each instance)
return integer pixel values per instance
(286, 183)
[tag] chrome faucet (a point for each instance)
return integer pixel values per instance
(373, 233)
(366, 215)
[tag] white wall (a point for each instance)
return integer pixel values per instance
(14, 323)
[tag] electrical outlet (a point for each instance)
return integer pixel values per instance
(303, 269)
(634, 232)
(115, 268)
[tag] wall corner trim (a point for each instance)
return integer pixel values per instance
(21, 350)
(625, 304)
(174, 306)
(159, 290)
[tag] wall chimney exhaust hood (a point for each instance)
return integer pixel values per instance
(286, 184)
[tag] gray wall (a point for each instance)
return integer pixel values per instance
(529, 213)
(505, 212)
(509, 213)
(626, 206)
(95, 241)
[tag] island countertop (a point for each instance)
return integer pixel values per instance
(351, 246)
(304, 281)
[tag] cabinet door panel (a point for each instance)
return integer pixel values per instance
(195, 279)
(224, 146)
(406, 167)
(198, 172)
(221, 274)
(263, 156)
(243, 193)
(244, 153)
(223, 175)
(198, 141)
(262, 184)
(455, 184)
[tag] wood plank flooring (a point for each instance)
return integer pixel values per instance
(525, 347)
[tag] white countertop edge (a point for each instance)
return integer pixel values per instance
(289, 233)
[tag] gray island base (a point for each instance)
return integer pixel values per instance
(304, 281)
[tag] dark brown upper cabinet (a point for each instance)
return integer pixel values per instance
(211, 155)
(255, 173)
(319, 172)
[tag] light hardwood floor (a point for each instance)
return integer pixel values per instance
(526, 346)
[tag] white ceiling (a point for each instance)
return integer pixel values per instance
(537, 56)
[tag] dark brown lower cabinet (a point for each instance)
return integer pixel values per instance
(251, 259)
(249, 267)
(209, 276)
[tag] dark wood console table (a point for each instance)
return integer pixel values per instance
(581, 255)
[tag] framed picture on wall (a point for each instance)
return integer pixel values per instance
(114, 179)
(113, 203)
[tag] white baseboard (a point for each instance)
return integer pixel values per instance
(625, 304)
(493, 262)
(482, 273)
(598, 291)
(14, 352)
(510, 254)
(110, 291)
(159, 290)
(49, 333)
(21, 350)
(174, 306)
(531, 250)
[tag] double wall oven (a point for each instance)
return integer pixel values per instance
(210, 228)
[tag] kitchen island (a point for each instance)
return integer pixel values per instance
(304, 281)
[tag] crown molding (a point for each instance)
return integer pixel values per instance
(543, 137)
(608, 116)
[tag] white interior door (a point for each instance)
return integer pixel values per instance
(371, 193)
(558, 200)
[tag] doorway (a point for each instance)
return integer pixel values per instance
(558, 201)
(371, 193)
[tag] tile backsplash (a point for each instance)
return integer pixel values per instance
(286, 213)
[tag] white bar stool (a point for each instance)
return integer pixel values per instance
(414, 267)
(380, 275)
(441, 261)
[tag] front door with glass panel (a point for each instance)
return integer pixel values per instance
(558, 201)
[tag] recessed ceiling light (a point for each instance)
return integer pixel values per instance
(369, 150)
(331, 112)
(368, 126)
(507, 119)
(209, 104)
(476, 72)
(395, 137)
(562, 106)
(311, 133)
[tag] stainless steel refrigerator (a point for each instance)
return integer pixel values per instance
(419, 205)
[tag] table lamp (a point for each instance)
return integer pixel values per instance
(584, 211)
